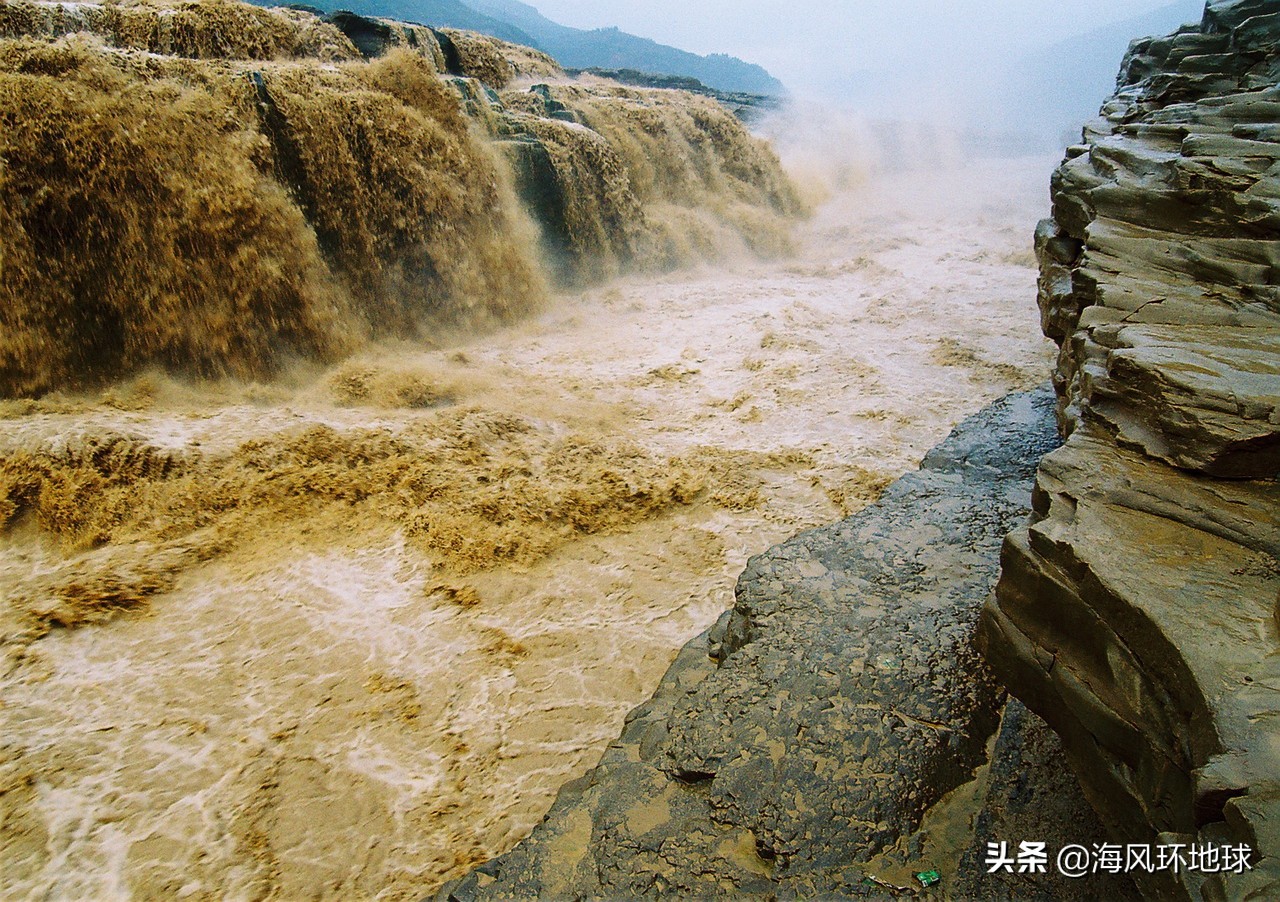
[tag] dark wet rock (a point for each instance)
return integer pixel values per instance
(1138, 613)
(286, 155)
(540, 190)
(818, 721)
(452, 59)
(371, 37)
(1031, 795)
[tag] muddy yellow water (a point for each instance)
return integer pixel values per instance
(344, 635)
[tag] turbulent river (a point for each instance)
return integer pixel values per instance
(373, 616)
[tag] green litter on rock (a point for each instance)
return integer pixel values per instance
(928, 878)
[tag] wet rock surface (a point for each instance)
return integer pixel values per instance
(1139, 612)
(1030, 794)
(818, 721)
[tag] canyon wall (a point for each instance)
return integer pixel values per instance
(1139, 612)
(218, 189)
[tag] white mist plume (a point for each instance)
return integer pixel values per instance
(977, 64)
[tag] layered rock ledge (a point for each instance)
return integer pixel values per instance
(1139, 612)
(817, 725)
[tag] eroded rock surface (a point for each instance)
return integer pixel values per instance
(815, 725)
(1139, 612)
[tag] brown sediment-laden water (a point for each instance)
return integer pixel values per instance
(347, 637)
(334, 540)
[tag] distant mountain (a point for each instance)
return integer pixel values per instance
(609, 48)
(573, 48)
(521, 15)
(1072, 78)
(440, 13)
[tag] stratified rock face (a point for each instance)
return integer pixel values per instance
(816, 723)
(1139, 612)
(1159, 268)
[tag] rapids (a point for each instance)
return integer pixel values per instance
(343, 634)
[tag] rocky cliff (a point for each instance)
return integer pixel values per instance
(1139, 612)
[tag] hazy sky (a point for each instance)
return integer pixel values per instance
(823, 46)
